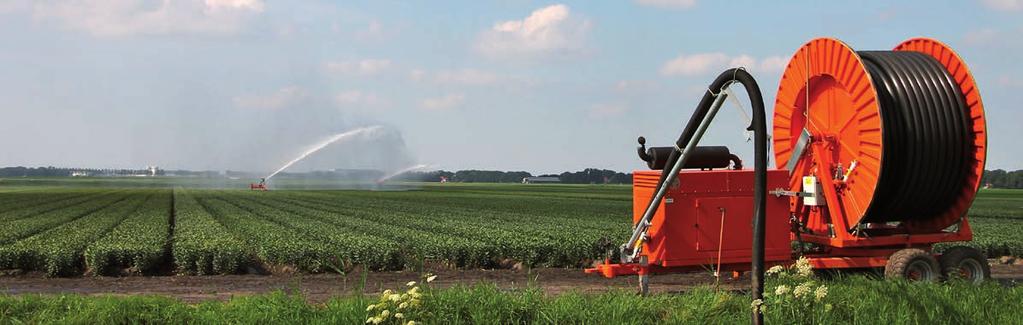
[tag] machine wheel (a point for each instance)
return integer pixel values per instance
(965, 263)
(912, 264)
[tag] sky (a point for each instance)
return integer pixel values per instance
(539, 86)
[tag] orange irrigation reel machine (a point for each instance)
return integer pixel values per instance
(879, 156)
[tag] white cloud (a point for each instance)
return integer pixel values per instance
(1005, 5)
(743, 61)
(548, 30)
(670, 4)
(114, 18)
(601, 111)
(254, 5)
(696, 64)
(417, 74)
(283, 97)
(466, 76)
(373, 31)
(702, 63)
(774, 63)
(362, 67)
(443, 103)
(358, 98)
(14, 6)
(635, 86)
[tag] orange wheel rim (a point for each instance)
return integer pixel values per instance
(829, 78)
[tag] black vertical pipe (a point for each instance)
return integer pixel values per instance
(759, 127)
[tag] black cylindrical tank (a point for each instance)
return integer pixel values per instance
(702, 157)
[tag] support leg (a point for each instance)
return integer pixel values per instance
(644, 276)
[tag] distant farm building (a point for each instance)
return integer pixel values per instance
(543, 179)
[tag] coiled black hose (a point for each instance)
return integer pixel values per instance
(925, 135)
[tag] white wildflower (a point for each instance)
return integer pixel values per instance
(431, 278)
(803, 267)
(757, 305)
(399, 315)
(370, 307)
(775, 270)
(781, 290)
(801, 290)
(410, 283)
(385, 313)
(403, 305)
(820, 293)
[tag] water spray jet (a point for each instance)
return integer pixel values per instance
(401, 171)
(344, 136)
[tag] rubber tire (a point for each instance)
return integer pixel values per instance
(951, 259)
(900, 263)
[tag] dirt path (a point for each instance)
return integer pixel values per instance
(320, 287)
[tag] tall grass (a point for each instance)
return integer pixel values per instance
(857, 300)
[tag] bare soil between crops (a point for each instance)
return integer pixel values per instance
(320, 287)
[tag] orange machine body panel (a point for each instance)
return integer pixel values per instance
(687, 228)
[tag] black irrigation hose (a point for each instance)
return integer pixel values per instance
(925, 136)
(759, 127)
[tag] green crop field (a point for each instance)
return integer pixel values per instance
(101, 230)
(76, 230)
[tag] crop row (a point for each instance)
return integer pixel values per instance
(201, 245)
(468, 237)
(52, 215)
(59, 250)
(286, 240)
(139, 243)
(24, 205)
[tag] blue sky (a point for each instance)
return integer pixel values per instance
(513, 85)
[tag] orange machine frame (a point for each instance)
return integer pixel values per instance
(704, 223)
(827, 91)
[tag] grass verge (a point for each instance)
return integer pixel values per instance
(855, 300)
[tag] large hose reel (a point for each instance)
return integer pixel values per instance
(899, 135)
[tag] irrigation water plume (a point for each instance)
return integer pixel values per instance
(401, 171)
(335, 138)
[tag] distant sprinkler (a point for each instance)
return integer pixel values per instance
(400, 172)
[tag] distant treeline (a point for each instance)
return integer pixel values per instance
(60, 171)
(1002, 179)
(586, 176)
(997, 178)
